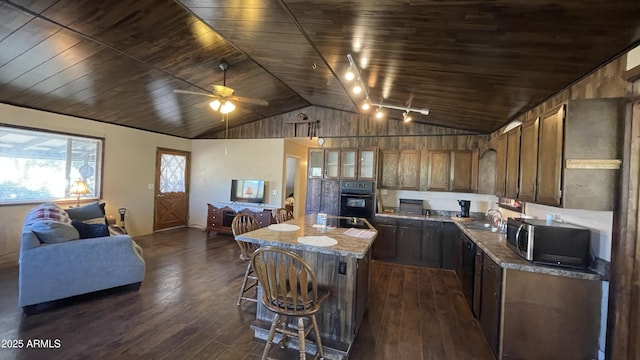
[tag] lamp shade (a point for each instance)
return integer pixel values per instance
(79, 187)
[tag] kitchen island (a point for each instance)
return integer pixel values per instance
(342, 267)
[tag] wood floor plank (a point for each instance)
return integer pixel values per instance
(186, 309)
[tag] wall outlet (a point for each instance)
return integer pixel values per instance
(150, 186)
(274, 192)
(383, 191)
(342, 268)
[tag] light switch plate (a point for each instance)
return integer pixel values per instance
(274, 192)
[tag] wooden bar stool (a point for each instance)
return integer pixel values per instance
(290, 289)
(281, 215)
(241, 224)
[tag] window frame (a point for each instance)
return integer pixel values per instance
(66, 200)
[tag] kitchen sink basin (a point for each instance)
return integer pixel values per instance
(481, 226)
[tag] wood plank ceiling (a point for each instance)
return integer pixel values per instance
(474, 64)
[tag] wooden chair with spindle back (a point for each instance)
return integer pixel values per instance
(243, 223)
(290, 289)
(281, 215)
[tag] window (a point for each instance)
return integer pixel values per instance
(41, 166)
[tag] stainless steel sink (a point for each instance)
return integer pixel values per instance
(481, 226)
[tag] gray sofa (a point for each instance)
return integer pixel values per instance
(55, 270)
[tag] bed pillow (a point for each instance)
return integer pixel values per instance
(92, 213)
(87, 231)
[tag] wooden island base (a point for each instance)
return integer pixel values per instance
(343, 268)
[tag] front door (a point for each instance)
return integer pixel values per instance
(171, 189)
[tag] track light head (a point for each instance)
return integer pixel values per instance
(406, 117)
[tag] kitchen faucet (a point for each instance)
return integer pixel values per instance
(495, 216)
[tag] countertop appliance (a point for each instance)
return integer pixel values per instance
(464, 208)
(357, 198)
(549, 242)
(410, 206)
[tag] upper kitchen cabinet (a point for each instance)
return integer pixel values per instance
(455, 171)
(513, 163)
(348, 163)
(501, 165)
(528, 161)
(324, 163)
(400, 169)
(438, 171)
(579, 152)
(367, 163)
(316, 163)
(507, 164)
(464, 171)
(550, 157)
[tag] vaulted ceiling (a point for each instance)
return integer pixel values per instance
(473, 64)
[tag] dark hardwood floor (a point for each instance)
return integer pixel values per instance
(186, 309)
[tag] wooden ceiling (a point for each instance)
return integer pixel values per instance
(474, 64)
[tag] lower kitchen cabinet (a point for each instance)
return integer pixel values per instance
(414, 242)
(409, 247)
(477, 282)
(449, 238)
(432, 244)
(384, 247)
(490, 301)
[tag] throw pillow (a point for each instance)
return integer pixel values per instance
(50, 232)
(90, 211)
(87, 231)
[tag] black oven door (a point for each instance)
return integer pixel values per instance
(356, 205)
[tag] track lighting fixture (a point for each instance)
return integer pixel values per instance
(360, 87)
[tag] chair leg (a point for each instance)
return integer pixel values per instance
(318, 341)
(244, 283)
(301, 340)
(284, 320)
(272, 334)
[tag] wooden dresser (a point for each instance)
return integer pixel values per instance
(219, 218)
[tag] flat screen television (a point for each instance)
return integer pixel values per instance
(247, 191)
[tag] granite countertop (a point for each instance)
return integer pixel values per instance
(494, 245)
(346, 246)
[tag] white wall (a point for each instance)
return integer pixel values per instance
(214, 163)
(129, 166)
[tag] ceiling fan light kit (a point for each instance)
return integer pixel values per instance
(223, 95)
(360, 88)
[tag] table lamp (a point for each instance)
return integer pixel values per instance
(79, 187)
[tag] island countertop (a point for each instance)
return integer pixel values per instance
(347, 245)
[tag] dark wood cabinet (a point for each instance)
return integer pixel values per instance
(323, 195)
(432, 244)
(315, 167)
(528, 161)
(400, 169)
(384, 247)
(477, 283)
(449, 239)
(409, 248)
(367, 163)
(501, 165)
(550, 157)
(330, 199)
(438, 171)
(491, 302)
(464, 171)
(513, 164)
(348, 163)
(219, 219)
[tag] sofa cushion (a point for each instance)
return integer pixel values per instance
(92, 213)
(87, 231)
(50, 232)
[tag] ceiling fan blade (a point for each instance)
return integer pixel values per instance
(194, 93)
(222, 90)
(243, 99)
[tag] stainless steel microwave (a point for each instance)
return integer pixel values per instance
(550, 243)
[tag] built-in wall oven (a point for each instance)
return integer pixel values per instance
(357, 198)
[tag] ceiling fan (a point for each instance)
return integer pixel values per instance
(223, 95)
